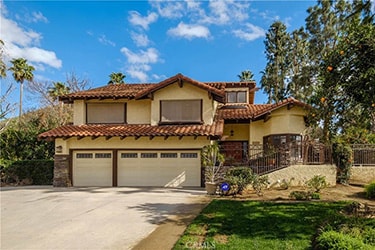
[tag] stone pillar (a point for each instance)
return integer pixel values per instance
(61, 171)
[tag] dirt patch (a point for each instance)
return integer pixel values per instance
(338, 193)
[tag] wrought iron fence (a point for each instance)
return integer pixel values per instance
(268, 159)
(363, 154)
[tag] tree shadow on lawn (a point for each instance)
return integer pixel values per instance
(267, 220)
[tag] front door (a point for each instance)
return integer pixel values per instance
(235, 152)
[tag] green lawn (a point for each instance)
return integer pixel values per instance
(233, 224)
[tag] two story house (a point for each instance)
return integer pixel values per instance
(152, 134)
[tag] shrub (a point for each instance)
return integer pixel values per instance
(300, 195)
(370, 190)
(315, 196)
(239, 178)
(39, 172)
(317, 183)
(259, 183)
(339, 241)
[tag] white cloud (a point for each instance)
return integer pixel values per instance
(189, 31)
(150, 55)
(139, 62)
(137, 73)
(136, 19)
(34, 17)
(20, 42)
(104, 40)
(250, 33)
(226, 11)
(169, 9)
(141, 40)
(38, 17)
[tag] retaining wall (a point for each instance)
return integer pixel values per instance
(297, 175)
(362, 174)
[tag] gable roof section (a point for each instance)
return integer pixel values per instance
(144, 90)
(253, 111)
(217, 91)
(136, 130)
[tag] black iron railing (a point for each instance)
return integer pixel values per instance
(363, 154)
(268, 159)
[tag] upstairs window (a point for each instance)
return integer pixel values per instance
(106, 113)
(180, 111)
(236, 97)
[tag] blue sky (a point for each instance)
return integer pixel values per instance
(148, 41)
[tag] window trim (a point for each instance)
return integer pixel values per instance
(180, 122)
(189, 155)
(169, 155)
(124, 115)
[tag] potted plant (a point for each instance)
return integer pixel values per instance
(212, 161)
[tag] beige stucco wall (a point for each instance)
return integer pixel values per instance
(187, 142)
(302, 173)
(281, 121)
(187, 92)
(139, 112)
(240, 132)
(79, 112)
(362, 175)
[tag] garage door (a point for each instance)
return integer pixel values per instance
(92, 168)
(159, 168)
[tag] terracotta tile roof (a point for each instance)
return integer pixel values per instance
(142, 90)
(217, 90)
(136, 130)
(111, 91)
(250, 85)
(252, 111)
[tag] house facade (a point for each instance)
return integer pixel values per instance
(152, 134)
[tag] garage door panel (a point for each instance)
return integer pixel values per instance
(92, 168)
(168, 169)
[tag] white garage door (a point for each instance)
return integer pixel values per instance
(92, 168)
(159, 168)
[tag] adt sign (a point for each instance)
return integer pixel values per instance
(224, 186)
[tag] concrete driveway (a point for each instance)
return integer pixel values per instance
(43, 217)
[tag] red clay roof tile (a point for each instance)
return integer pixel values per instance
(136, 130)
(141, 90)
(111, 91)
(218, 92)
(252, 111)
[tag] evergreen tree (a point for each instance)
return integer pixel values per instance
(273, 80)
(299, 85)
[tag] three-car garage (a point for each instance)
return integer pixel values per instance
(163, 168)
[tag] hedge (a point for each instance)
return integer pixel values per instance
(38, 172)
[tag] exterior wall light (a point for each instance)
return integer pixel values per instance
(231, 132)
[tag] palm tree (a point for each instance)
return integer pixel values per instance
(116, 78)
(57, 90)
(246, 76)
(21, 72)
(3, 67)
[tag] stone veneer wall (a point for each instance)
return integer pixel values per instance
(362, 175)
(302, 173)
(61, 171)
